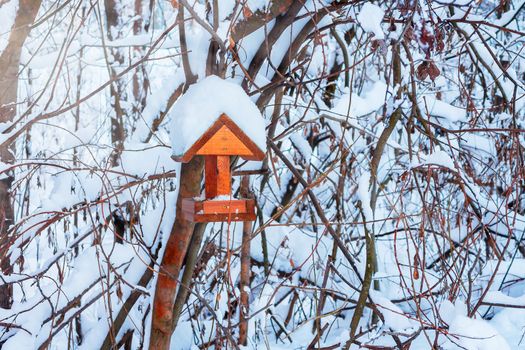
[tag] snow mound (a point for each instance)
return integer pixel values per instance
(442, 109)
(355, 106)
(469, 333)
(203, 103)
(370, 19)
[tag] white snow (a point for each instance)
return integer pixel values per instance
(203, 103)
(370, 18)
(438, 108)
(363, 193)
(440, 158)
(474, 141)
(354, 105)
(469, 333)
(395, 319)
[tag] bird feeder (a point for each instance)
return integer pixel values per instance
(218, 143)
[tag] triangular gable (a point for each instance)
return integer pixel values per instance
(223, 143)
(224, 137)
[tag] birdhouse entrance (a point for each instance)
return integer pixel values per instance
(221, 141)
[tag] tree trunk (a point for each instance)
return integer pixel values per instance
(9, 62)
(162, 318)
(140, 75)
(244, 311)
(117, 88)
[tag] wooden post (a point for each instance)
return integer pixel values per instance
(210, 176)
(217, 176)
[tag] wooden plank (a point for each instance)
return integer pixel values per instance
(217, 180)
(255, 153)
(210, 176)
(224, 142)
(189, 205)
(186, 157)
(224, 207)
(224, 179)
(223, 217)
(219, 211)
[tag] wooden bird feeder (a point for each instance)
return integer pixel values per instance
(221, 141)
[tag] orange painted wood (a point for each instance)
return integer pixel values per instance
(255, 153)
(218, 207)
(224, 207)
(224, 178)
(215, 211)
(224, 142)
(175, 251)
(217, 180)
(220, 217)
(258, 154)
(210, 176)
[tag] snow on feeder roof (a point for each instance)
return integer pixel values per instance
(214, 109)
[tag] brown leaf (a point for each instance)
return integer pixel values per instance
(416, 261)
(422, 71)
(60, 274)
(119, 292)
(433, 71)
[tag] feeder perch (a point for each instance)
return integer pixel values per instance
(221, 141)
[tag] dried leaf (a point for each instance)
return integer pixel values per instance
(422, 71)
(433, 71)
(416, 261)
(427, 38)
(119, 292)
(409, 34)
(60, 274)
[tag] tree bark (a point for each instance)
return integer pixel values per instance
(163, 319)
(191, 261)
(259, 19)
(244, 311)
(140, 75)
(180, 236)
(281, 23)
(9, 63)
(117, 88)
